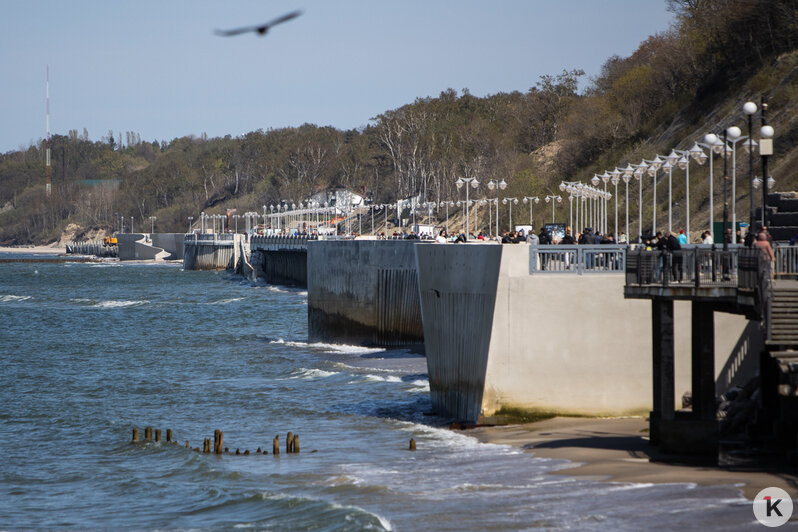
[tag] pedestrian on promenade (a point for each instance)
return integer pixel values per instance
(441, 238)
(682, 237)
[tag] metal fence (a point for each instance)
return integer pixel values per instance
(786, 263)
(698, 266)
(579, 260)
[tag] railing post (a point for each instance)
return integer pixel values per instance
(697, 268)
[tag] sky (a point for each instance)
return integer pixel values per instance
(157, 68)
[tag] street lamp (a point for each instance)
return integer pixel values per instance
(498, 185)
(553, 199)
(627, 175)
(639, 170)
(152, 226)
(530, 200)
(235, 220)
(473, 183)
(682, 160)
(616, 178)
(510, 202)
(190, 219)
(447, 204)
(715, 146)
(765, 149)
(653, 167)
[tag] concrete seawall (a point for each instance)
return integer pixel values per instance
(363, 292)
(280, 260)
(498, 337)
(210, 252)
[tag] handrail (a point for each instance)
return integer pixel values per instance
(577, 259)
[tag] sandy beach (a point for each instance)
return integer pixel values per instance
(617, 450)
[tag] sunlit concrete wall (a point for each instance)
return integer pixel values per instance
(497, 336)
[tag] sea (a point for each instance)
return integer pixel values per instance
(91, 350)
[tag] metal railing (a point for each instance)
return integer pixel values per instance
(786, 263)
(698, 266)
(577, 259)
(209, 238)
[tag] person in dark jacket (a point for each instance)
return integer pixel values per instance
(674, 248)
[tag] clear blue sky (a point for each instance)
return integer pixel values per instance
(155, 67)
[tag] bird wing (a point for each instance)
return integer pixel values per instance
(236, 31)
(284, 18)
(262, 28)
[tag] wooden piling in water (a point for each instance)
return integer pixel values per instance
(276, 446)
(289, 442)
(258, 451)
(220, 444)
(238, 452)
(206, 445)
(168, 435)
(412, 444)
(246, 453)
(147, 433)
(187, 445)
(157, 435)
(135, 435)
(296, 443)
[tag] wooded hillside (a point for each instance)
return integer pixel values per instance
(677, 86)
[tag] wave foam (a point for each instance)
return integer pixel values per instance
(10, 297)
(309, 374)
(226, 301)
(380, 378)
(119, 304)
(285, 290)
(331, 348)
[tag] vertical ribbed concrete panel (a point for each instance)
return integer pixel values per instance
(207, 256)
(363, 292)
(284, 266)
(457, 284)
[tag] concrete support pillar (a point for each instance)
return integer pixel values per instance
(703, 361)
(662, 341)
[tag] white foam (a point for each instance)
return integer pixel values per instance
(309, 374)
(331, 348)
(119, 304)
(379, 378)
(226, 301)
(10, 297)
(284, 290)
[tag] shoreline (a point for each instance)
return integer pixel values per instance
(617, 450)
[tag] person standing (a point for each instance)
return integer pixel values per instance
(682, 238)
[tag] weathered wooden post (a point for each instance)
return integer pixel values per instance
(289, 442)
(147, 433)
(187, 445)
(296, 443)
(206, 445)
(168, 435)
(412, 444)
(276, 446)
(221, 443)
(135, 435)
(157, 435)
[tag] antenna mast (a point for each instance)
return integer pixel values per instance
(48, 170)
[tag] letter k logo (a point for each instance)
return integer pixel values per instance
(773, 506)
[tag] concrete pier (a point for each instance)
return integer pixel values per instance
(363, 292)
(280, 260)
(500, 334)
(210, 251)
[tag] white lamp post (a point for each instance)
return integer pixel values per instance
(510, 202)
(553, 199)
(530, 200)
(498, 185)
(473, 183)
(627, 175)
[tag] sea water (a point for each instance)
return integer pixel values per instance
(90, 351)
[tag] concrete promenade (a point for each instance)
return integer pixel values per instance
(499, 334)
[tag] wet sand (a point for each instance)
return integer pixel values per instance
(617, 449)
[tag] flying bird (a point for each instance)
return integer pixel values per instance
(261, 29)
